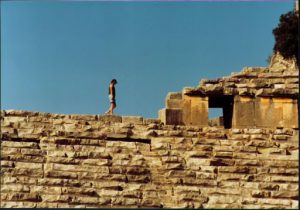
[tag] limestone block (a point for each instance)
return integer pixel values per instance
(222, 162)
(204, 141)
(270, 201)
(243, 112)
(284, 131)
(46, 205)
(96, 162)
(284, 179)
(276, 112)
(6, 131)
(132, 194)
(292, 86)
(149, 121)
(206, 175)
(228, 184)
(214, 199)
(195, 110)
(55, 198)
(269, 186)
(292, 80)
(174, 104)
(185, 189)
(138, 179)
(273, 150)
(174, 100)
(132, 119)
(61, 174)
(29, 165)
(83, 200)
(17, 204)
(222, 191)
(14, 144)
(171, 159)
(33, 152)
(222, 154)
(110, 118)
(83, 117)
(280, 163)
(15, 188)
(150, 202)
(237, 169)
(260, 194)
(174, 95)
(171, 116)
(137, 170)
(46, 190)
(288, 187)
(16, 196)
(198, 154)
(7, 164)
(290, 113)
(284, 171)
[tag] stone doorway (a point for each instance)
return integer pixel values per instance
(226, 103)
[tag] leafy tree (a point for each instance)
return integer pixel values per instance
(286, 36)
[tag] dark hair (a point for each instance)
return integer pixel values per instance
(114, 81)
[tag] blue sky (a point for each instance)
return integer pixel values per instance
(60, 56)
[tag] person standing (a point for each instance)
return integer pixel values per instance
(112, 96)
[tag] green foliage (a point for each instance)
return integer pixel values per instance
(286, 36)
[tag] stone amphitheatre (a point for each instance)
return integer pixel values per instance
(247, 158)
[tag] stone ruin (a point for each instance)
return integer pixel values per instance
(93, 161)
(261, 97)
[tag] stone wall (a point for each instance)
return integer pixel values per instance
(52, 160)
(255, 96)
(265, 112)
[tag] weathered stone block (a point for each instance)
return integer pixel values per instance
(174, 95)
(17, 204)
(149, 121)
(132, 119)
(174, 104)
(243, 112)
(237, 169)
(29, 165)
(195, 110)
(15, 144)
(110, 118)
(171, 116)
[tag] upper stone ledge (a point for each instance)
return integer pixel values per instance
(279, 79)
(251, 81)
(101, 118)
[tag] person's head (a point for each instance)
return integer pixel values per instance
(113, 81)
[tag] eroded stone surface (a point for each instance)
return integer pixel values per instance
(68, 161)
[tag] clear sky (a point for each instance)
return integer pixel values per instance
(60, 56)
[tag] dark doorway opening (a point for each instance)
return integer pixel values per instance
(226, 103)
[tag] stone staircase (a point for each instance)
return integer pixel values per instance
(67, 161)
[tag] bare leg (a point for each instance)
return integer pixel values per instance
(109, 110)
(112, 107)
